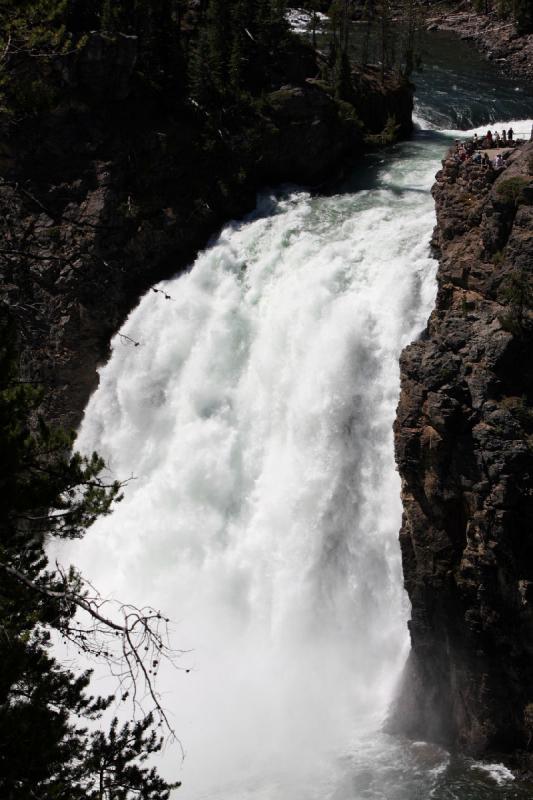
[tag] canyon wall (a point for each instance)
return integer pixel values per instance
(464, 446)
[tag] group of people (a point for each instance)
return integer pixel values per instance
(464, 150)
(472, 150)
(467, 151)
(490, 140)
(482, 159)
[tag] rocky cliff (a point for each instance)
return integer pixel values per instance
(112, 188)
(464, 446)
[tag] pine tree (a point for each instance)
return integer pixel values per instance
(313, 7)
(279, 11)
(272, 28)
(45, 750)
(410, 40)
(240, 46)
(250, 56)
(118, 16)
(200, 82)
(386, 37)
(343, 78)
(82, 15)
(218, 32)
(339, 59)
(369, 17)
(115, 763)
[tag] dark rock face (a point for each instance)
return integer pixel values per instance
(376, 102)
(464, 447)
(116, 188)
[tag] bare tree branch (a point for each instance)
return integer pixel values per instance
(143, 634)
(129, 339)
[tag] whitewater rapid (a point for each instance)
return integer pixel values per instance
(256, 415)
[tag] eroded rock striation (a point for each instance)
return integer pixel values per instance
(464, 448)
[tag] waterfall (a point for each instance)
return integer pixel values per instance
(256, 417)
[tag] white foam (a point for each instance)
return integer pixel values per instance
(521, 129)
(421, 123)
(300, 19)
(499, 773)
(257, 417)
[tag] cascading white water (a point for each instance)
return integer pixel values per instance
(257, 419)
(256, 416)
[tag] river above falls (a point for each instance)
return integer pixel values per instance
(256, 415)
(455, 86)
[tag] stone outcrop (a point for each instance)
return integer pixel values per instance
(114, 189)
(464, 447)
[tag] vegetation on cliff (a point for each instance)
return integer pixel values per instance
(221, 56)
(181, 49)
(46, 749)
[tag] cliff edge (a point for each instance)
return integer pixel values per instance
(464, 448)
